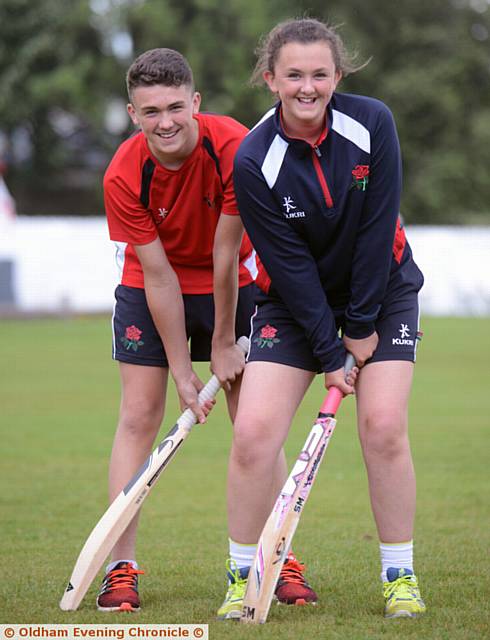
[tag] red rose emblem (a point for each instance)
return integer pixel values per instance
(360, 177)
(360, 171)
(133, 333)
(131, 339)
(268, 332)
(267, 337)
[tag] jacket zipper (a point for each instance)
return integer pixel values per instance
(321, 177)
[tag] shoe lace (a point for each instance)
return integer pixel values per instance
(233, 570)
(122, 578)
(292, 571)
(403, 586)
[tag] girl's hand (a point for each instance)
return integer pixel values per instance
(344, 383)
(361, 349)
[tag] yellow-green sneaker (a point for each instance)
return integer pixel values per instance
(402, 595)
(231, 609)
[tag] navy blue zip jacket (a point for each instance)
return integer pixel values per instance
(324, 218)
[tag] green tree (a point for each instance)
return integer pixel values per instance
(62, 66)
(54, 80)
(431, 68)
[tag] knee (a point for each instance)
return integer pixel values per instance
(252, 448)
(384, 433)
(139, 418)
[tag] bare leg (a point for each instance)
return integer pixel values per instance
(383, 390)
(141, 413)
(281, 469)
(269, 397)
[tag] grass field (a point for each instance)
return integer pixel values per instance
(59, 395)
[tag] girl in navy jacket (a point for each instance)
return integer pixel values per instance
(318, 183)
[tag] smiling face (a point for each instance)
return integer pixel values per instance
(165, 115)
(304, 77)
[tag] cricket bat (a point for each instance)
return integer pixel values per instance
(277, 534)
(115, 520)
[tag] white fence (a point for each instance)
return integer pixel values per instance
(59, 264)
(456, 265)
(67, 265)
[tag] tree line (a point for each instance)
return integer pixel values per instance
(62, 68)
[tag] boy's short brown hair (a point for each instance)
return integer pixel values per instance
(159, 66)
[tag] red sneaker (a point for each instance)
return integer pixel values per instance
(292, 587)
(119, 590)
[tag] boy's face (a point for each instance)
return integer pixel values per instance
(165, 115)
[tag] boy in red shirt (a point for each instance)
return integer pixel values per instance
(186, 270)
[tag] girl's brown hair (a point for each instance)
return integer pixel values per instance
(305, 31)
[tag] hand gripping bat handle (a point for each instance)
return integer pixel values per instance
(334, 396)
(188, 418)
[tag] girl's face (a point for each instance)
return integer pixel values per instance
(305, 78)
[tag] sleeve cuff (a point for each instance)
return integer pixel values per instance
(335, 361)
(357, 330)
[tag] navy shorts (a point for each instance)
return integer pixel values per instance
(135, 338)
(277, 337)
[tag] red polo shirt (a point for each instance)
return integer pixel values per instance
(144, 200)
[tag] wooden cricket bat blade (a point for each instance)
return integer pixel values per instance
(122, 510)
(277, 534)
(116, 519)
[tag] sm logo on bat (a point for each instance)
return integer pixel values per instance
(248, 612)
(299, 504)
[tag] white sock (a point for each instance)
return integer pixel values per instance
(112, 565)
(398, 555)
(242, 554)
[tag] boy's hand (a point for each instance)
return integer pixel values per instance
(227, 363)
(188, 389)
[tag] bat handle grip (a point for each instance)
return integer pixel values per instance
(208, 392)
(334, 396)
(212, 387)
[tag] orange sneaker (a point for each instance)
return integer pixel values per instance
(119, 590)
(292, 587)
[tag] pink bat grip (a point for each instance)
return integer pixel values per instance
(332, 401)
(334, 396)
